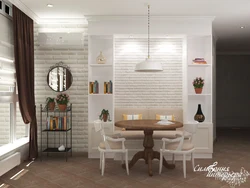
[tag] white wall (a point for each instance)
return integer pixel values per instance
(76, 57)
(135, 90)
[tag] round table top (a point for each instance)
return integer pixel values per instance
(147, 124)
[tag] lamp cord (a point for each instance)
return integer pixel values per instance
(148, 31)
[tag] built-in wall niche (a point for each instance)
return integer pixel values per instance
(199, 47)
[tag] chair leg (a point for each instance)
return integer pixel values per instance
(173, 159)
(192, 158)
(126, 161)
(184, 165)
(160, 164)
(100, 160)
(103, 163)
(122, 158)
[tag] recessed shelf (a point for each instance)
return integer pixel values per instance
(101, 65)
(199, 94)
(199, 65)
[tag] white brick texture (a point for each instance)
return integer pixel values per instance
(148, 90)
(76, 57)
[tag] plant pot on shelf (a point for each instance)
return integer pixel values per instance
(198, 90)
(105, 117)
(62, 107)
(51, 105)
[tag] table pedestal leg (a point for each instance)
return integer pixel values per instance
(148, 154)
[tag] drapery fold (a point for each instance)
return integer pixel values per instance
(23, 30)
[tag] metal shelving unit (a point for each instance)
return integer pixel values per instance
(61, 136)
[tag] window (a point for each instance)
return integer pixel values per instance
(5, 8)
(12, 127)
(5, 122)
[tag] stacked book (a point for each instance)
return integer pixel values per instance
(199, 61)
(108, 87)
(57, 123)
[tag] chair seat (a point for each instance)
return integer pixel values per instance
(113, 145)
(187, 145)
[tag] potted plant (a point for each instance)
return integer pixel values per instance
(50, 103)
(62, 100)
(104, 115)
(198, 84)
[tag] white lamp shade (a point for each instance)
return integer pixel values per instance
(148, 66)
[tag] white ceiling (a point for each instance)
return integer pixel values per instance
(230, 14)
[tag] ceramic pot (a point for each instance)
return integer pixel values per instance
(62, 107)
(51, 106)
(105, 117)
(198, 90)
(199, 116)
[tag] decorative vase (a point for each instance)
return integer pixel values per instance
(62, 107)
(198, 90)
(199, 116)
(101, 59)
(51, 106)
(105, 117)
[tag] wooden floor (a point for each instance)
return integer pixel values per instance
(232, 149)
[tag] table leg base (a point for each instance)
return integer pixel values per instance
(148, 156)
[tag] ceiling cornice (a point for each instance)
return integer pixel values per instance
(128, 17)
(25, 9)
(62, 21)
(39, 20)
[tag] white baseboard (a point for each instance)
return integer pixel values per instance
(9, 163)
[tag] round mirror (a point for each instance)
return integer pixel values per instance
(59, 78)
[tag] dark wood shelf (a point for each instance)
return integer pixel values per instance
(48, 130)
(55, 150)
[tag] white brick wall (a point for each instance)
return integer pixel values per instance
(149, 90)
(77, 59)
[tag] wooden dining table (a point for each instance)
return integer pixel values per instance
(148, 126)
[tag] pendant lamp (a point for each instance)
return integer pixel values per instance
(148, 65)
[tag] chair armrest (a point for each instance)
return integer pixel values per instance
(172, 140)
(117, 135)
(186, 135)
(115, 139)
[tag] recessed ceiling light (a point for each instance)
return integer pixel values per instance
(130, 36)
(242, 27)
(49, 5)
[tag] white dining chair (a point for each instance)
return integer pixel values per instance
(182, 145)
(110, 145)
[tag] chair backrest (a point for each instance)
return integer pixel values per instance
(99, 128)
(190, 128)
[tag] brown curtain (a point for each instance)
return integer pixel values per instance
(24, 63)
